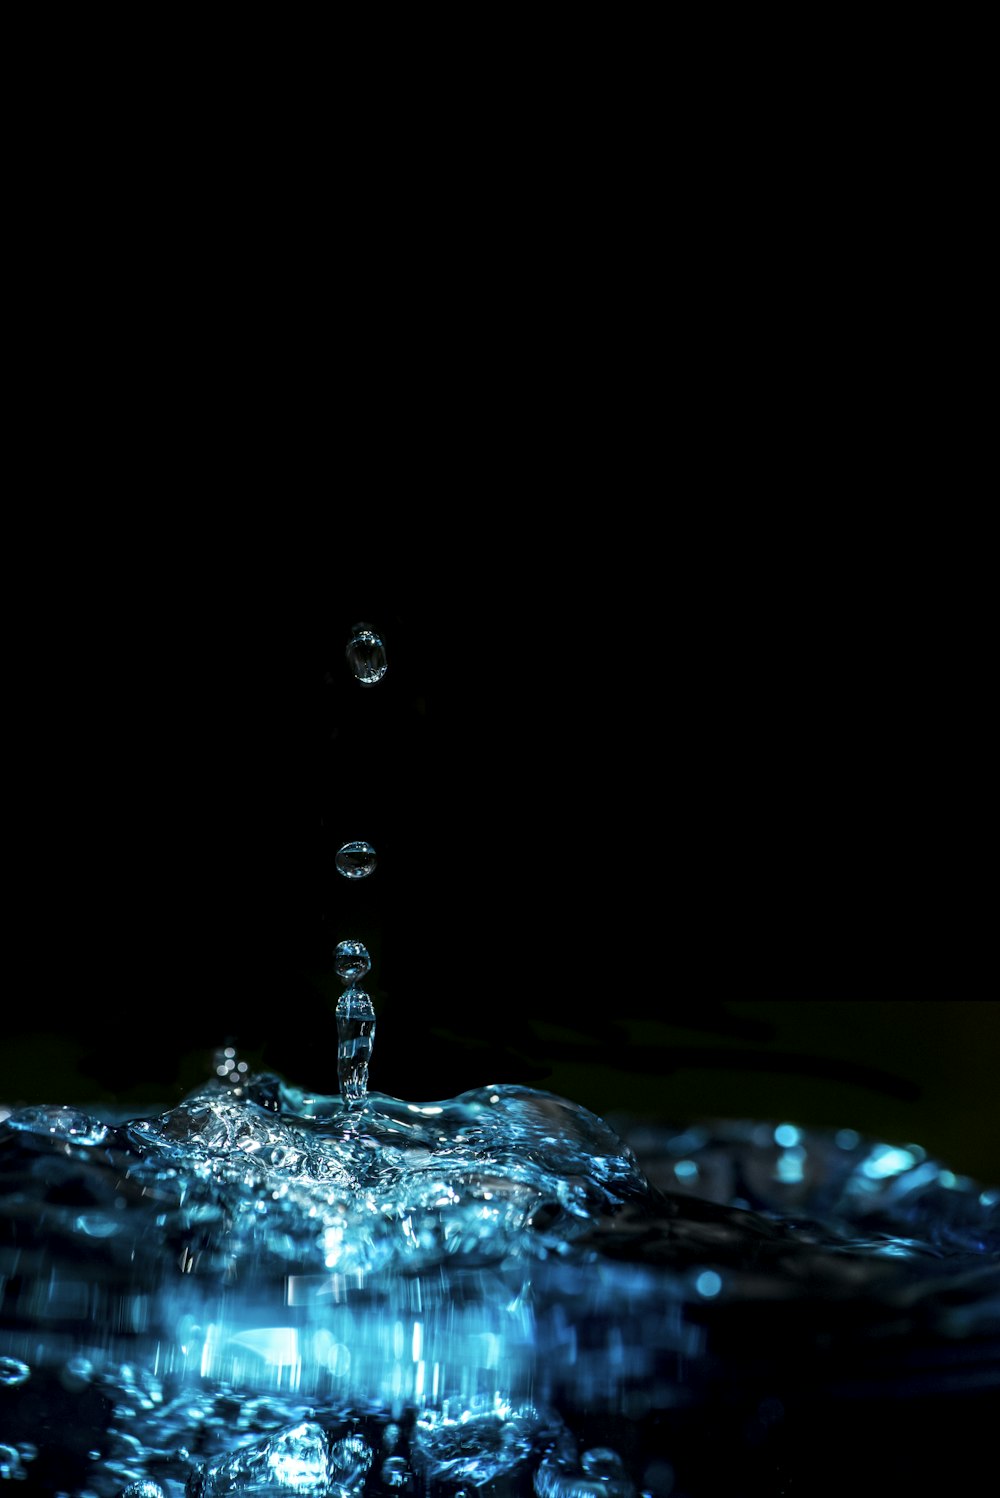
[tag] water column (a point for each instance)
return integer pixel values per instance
(355, 1023)
(356, 860)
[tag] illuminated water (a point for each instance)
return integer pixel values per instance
(355, 1038)
(366, 655)
(351, 961)
(266, 1291)
(355, 860)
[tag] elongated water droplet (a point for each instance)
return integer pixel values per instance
(355, 1038)
(351, 961)
(355, 860)
(366, 655)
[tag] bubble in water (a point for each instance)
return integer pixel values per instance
(355, 860)
(13, 1372)
(355, 1038)
(350, 1459)
(603, 1463)
(351, 961)
(600, 1474)
(10, 1462)
(366, 655)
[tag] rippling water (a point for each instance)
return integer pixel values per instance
(263, 1291)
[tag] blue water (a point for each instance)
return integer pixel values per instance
(264, 1290)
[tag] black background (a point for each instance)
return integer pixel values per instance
(658, 828)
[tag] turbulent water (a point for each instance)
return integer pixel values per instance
(261, 1291)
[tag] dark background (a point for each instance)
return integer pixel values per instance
(661, 831)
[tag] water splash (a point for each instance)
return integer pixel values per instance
(366, 655)
(355, 860)
(242, 1290)
(355, 1039)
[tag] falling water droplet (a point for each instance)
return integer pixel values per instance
(355, 1038)
(366, 655)
(355, 860)
(351, 961)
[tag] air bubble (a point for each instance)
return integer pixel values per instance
(13, 1372)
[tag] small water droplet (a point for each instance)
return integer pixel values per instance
(366, 655)
(355, 1038)
(355, 860)
(351, 961)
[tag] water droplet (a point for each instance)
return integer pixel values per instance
(366, 655)
(355, 1038)
(13, 1372)
(355, 860)
(351, 961)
